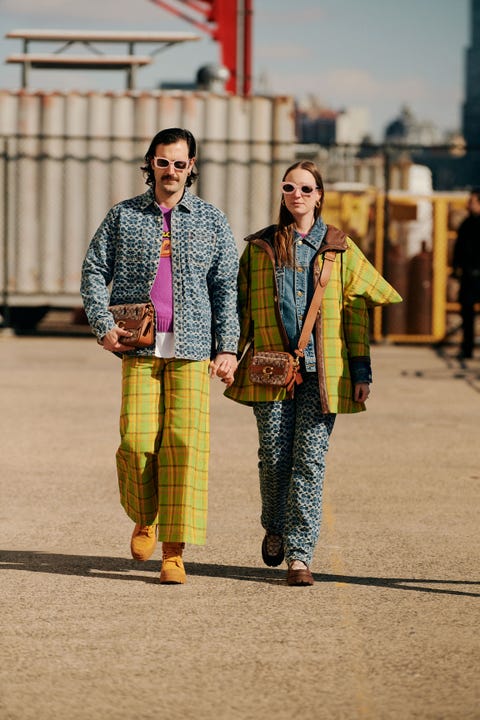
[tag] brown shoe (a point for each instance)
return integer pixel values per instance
(143, 542)
(299, 576)
(173, 570)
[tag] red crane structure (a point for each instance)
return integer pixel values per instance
(228, 22)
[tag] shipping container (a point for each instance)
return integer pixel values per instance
(66, 158)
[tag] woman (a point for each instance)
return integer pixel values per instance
(278, 272)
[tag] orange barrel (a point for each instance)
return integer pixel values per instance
(419, 298)
(396, 272)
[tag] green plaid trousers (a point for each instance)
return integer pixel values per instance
(162, 461)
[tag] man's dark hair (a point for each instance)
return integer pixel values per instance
(168, 137)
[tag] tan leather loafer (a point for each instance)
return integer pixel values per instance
(143, 542)
(299, 577)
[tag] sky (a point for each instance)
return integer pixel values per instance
(375, 54)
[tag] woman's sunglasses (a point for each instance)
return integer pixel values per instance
(160, 162)
(289, 188)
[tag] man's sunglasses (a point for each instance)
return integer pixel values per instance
(289, 188)
(160, 162)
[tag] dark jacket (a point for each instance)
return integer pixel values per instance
(466, 259)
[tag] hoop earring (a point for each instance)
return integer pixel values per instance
(282, 201)
(317, 204)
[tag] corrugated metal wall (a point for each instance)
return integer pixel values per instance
(66, 158)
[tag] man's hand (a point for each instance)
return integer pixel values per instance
(112, 340)
(224, 367)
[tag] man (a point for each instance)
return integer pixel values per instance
(178, 251)
(466, 267)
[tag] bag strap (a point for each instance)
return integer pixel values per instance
(328, 260)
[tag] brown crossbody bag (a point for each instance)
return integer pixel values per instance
(282, 369)
(138, 319)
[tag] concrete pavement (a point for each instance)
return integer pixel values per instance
(388, 631)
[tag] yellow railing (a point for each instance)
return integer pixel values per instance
(409, 238)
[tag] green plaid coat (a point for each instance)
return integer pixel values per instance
(341, 330)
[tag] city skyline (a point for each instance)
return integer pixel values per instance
(375, 54)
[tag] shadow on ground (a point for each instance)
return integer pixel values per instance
(127, 569)
(454, 368)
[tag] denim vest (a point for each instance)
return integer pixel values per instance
(295, 288)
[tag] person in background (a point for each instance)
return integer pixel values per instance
(278, 272)
(173, 248)
(466, 268)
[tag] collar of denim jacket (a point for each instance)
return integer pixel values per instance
(186, 201)
(315, 235)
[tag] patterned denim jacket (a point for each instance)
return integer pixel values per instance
(295, 288)
(125, 252)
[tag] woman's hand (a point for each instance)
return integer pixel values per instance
(361, 391)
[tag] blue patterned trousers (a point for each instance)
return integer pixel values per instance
(293, 441)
